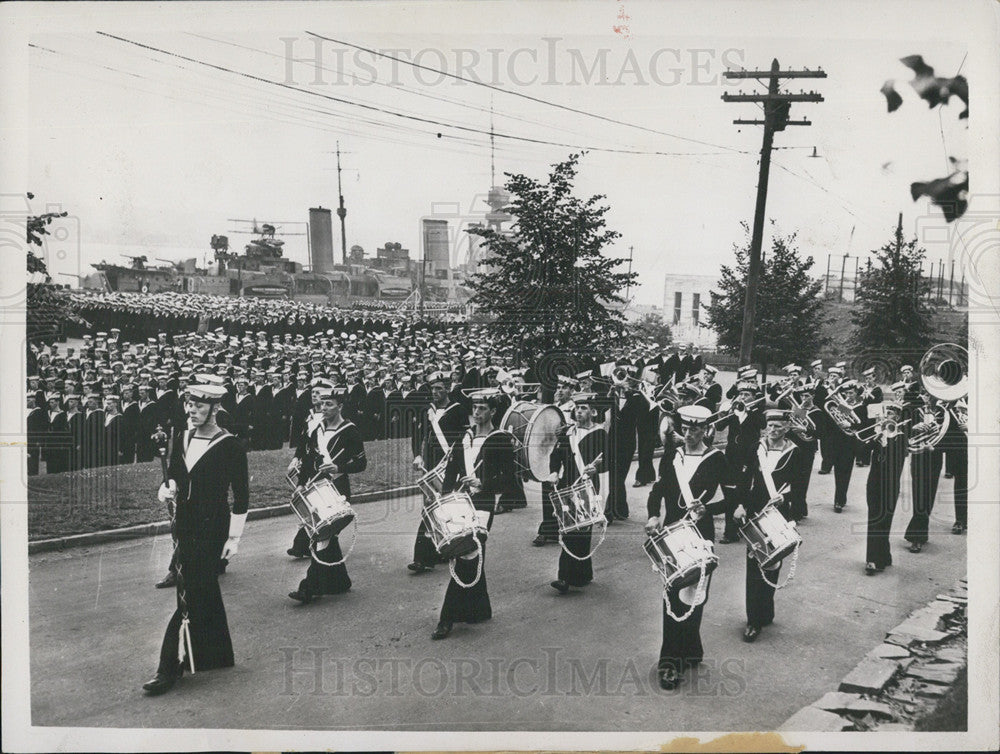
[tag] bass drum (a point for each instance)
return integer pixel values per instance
(535, 428)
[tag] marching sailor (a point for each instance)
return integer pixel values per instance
(690, 476)
(548, 529)
(205, 464)
(579, 454)
(777, 472)
(443, 423)
(481, 462)
(332, 450)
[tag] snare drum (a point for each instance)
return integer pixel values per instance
(322, 509)
(432, 482)
(452, 524)
(680, 553)
(577, 506)
(770, 536)
(535, 427)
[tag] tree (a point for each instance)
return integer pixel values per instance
(788, 318)
(47, 307)
(547, 285)
(890, 317)
(652, 327)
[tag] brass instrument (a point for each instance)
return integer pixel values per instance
(929, 430)
(800, 422)
(842, 412)
(737, 405)
(944, 374)
(886, 427)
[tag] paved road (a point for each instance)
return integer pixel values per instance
(364, 660)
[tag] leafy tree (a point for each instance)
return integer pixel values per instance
(890, 316)
(652, 327)
(547, 285)
(48, 308)
(788, 318)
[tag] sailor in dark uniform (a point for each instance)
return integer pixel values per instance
(777, 463)
(690, 479)
(332, 449)
(548, 529)
(439, 426)
(205, 464)
(481, 462)
(888, 453)
(580, 453)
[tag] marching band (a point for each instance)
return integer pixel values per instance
(478, 431)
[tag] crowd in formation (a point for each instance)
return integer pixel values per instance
(745, 454)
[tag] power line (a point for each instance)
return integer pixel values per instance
(397, 114)
(522, 95)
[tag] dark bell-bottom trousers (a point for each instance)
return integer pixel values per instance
(576, 572)
(759, 594)
(467, 605)
(681, 647)
(925, 472)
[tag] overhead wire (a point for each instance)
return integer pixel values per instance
(397, 114)
(522, 95)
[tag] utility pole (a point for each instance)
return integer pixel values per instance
(341, 213)
(776, 108)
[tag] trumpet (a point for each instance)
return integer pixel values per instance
(883, 427)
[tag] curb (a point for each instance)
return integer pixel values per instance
(899, 680)
(163, 527)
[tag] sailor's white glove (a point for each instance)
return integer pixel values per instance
(236, 524)
(167, 492)
(653, 524)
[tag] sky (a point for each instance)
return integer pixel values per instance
(152, 151)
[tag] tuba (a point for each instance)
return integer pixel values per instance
(944, 374)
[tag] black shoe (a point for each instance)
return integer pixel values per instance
(727, 540)
(750, 634)
(837, 508)
(161, 683)
(442, 630)
(637, 483)
(222, 566)
(301, 596)
(948, 475)
(560, 586)
(420, 567)
(168, 581)
(958, 528)
(669, 679)
(823, 471)
(871, 569)
(916, 546)
(540, 540)
(298, 553)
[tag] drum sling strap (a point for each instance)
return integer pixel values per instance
(766, 469)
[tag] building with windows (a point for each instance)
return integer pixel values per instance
(684, 300)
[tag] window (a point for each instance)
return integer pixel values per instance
(695, 307)
(678, 301)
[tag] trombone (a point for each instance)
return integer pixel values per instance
(736, 405)
(882, 428)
